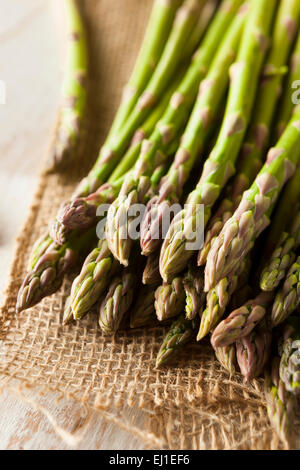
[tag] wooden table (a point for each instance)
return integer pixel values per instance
(30, 51)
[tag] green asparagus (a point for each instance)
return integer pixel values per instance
(289, 363)
(117, 301)
(72, 112)
(220, 165)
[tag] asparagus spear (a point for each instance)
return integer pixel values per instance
(286, 105)
(289, 363)
(74, 91)
(180, 333)
(93, 279)
(113, 149)
(169, 299)
(117, 301)
(81, 212)
(218, 298)
(151, 274)
(287, 299)
(96, 273)
(287, 217)
(242, 321)
(207, 13)
(156, 35)
(281, 404)
(257, 138)
(143, 312)
(68, 312)
(193, 283)
(135, 187)
(280, 261)
(210, 97)
(253, 351)
(48, 273)
(227, 358)
(253, 214)
(220, 164)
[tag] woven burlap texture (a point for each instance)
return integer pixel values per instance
(192, 404)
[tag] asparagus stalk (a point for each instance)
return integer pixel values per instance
(242, 321)
(281, 404)
(115, 146)
(207, 13)
(257, 138)
(280, 261)
(180, 333)
(211, 93)
(81, 213)
(95, 275)
(117, 301)
(74, 91)
(253, 351)
(135, 187)
(170, 299)
(218, 298)
(193, 283)
(227, 358)
(143, 312)
(287, 220)
(289, 363)
(253, 214)
(156, 36)
(286, 105)
(48, 273)
(287, 299)
(220, 165)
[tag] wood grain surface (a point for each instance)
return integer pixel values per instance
(31, 56)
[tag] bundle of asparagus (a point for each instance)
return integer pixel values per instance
(196, 56)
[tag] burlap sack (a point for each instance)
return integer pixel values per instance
(192, 404)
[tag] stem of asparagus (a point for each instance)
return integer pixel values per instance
(81, 213)
(284, 236)
(210, 97)
(115, 146)
(48, 273)
(257, 138)
(220, 165)
(133, 190)
(156, 36)
(253, 214)
(74, 91)
(286, 104)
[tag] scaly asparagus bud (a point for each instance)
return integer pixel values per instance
(117, 302)
(170, 299)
